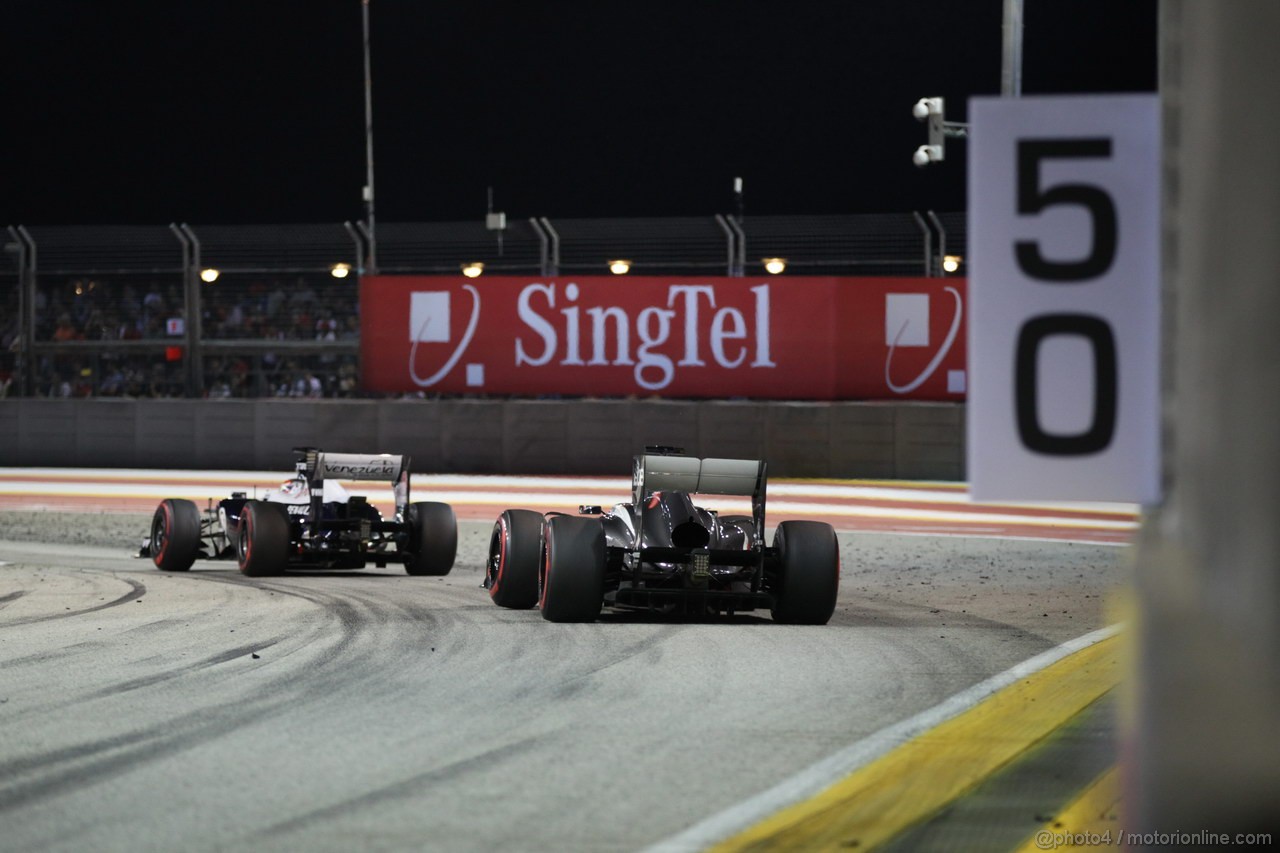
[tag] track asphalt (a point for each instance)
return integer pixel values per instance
(1024, 759)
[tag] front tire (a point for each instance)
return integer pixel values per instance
(433, 538)
(572, 577)
(515, 554)
(262, 539)
(175, 535)
(808, 572)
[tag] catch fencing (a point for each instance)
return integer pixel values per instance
(270, 311)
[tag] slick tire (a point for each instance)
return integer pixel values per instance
(572, 577)
(433, 538)
(809, 572)
(515, 553)
(175, 535)
(262, 539)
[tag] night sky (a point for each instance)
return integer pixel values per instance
(230, 111)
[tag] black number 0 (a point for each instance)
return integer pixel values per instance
(1026, 391)
(1031, 200)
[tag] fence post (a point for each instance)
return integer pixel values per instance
(555, 246)
(942, 244)
(543, 256)
(928, 243)
(739, 268)
(27, 324)
(355, 238)
(724, 226)
(192, 309)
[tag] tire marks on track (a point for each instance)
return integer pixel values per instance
(159, 678)
(411, 788)
(49, 773)
(136, 591)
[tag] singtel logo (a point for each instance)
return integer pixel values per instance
(556, 327)
(734, 335)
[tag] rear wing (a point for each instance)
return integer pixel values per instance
(656, 473)
(316, 466)
(667, 469)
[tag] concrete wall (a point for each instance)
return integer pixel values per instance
(1205, 756)
(876, 440)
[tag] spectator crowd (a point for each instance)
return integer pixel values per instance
(140, 326)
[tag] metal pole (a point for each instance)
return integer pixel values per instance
(544, 256)
(29, 318)
(941, 257)
(740, 202)
(740, 264)
(355, 238)
(19, 246)
(1011, 71)
(928, 243)
(728, 232)
(555, 245)
(194, 310)
(368, 142)
(195, 322)
(186, 299)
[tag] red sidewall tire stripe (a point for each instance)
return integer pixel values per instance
(502, 556)
(246, 538)
(158, 558)
(545, 568)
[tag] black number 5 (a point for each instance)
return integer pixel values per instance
(1032, 199)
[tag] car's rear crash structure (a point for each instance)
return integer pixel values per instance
(662, 552)
(310, 522)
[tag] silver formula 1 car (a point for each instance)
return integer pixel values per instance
(310, 522)
(662, 552)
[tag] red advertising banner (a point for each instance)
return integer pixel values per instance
(788, 338)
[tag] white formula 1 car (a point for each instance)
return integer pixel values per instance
(310, 522)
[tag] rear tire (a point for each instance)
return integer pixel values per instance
(809, 572)
(433, 538)
(515, 553)
(572, 576)
(175, 535)
(262, 539)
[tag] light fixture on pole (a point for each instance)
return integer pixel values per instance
(933, 112)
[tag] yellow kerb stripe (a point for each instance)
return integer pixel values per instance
(1096, 811)
(917, 779)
